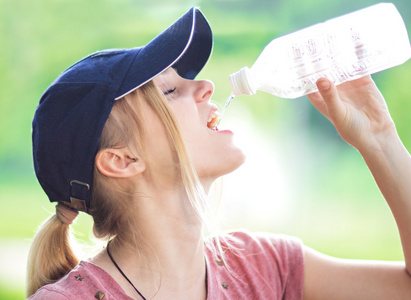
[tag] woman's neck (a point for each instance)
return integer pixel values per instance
(161, 250)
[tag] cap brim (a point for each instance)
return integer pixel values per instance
(186, 45)
(72, 112)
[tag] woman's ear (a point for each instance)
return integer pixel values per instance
(119, 163)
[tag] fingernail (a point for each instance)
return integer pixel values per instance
(323, 84)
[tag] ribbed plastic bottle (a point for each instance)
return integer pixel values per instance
(341, 49)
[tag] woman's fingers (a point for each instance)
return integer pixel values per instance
(334, 108)
(317, 101)
(327, 100)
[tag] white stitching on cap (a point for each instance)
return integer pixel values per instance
(185, 49)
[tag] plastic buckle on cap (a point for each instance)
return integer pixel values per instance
(79, 190)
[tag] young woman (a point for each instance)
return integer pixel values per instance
(129, 137)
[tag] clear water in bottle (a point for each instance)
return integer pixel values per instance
(341, 49)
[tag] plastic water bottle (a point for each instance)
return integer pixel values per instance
(341, 49)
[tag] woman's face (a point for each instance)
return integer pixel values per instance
(212, 152)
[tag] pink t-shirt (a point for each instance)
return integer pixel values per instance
(264, 266)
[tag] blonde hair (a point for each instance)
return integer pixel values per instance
(51, 255)
(121, 129)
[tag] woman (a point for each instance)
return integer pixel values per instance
(128, 136)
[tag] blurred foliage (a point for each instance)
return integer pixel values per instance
(39, 39)
(42, 38)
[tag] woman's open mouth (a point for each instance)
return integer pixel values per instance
(214, 120)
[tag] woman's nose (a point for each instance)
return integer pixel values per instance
(204, 91)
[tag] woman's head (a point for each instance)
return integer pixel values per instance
(72, 112)
(159, 135)
(106, 104)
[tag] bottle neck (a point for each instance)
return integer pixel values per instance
(241, 83)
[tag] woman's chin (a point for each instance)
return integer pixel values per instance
(223, 168)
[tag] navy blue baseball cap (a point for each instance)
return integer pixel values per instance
(71, 114)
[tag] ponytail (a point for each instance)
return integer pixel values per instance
(51, 255)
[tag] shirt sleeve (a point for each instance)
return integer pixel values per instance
(276, 259)
(290, 252)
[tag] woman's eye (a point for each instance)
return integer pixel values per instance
(169, 91)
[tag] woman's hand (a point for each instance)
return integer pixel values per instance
(356, 108)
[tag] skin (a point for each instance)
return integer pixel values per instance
(173, 243)
(213, 153)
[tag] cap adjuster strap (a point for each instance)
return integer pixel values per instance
(79, 192)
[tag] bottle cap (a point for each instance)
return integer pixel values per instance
(240, 83)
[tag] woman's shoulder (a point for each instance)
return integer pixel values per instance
(261, 247)
(257, 240)
(267, 266)
(85, 281)
(243, 248)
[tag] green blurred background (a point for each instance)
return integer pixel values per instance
(300, 178)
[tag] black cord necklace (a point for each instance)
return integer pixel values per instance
(122, 273)
(129, 281)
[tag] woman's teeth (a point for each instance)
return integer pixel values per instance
(213, 121)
